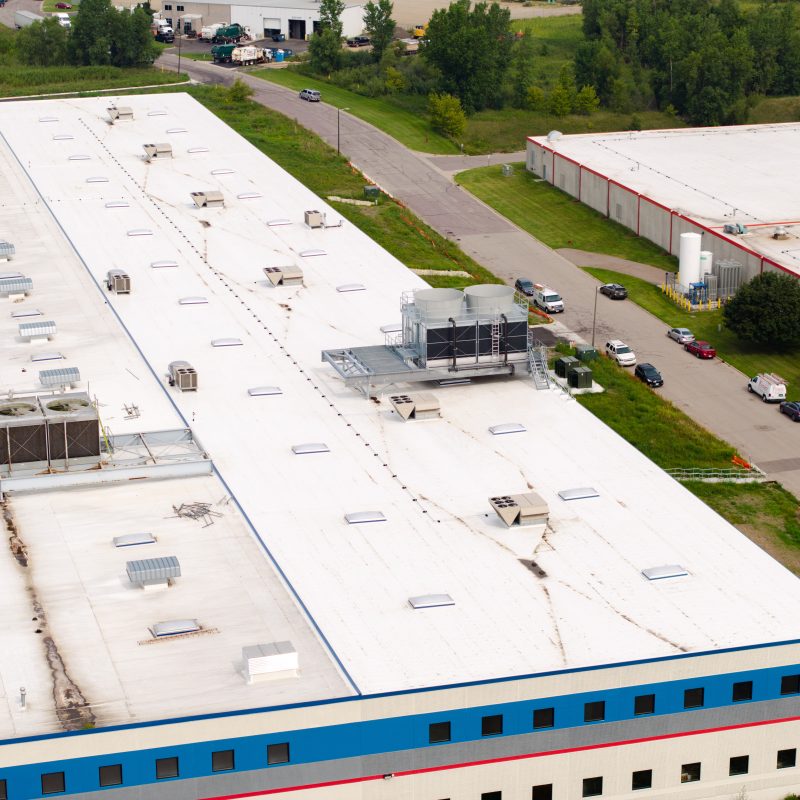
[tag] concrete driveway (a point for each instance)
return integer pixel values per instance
(711, 392)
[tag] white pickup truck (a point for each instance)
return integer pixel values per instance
(547, 299)
(769, 387)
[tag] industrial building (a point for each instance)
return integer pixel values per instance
(281, 519)
(734, 186)
(265, 18)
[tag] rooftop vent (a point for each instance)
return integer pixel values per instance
(46, 357)
(315, 219)
(507, 427)
(133, 539)
(165, 263)
(174, 627)
(97, 179)
(222, 171)
(311, 253)
(157, 112)
(63, 137)
(230, 341)
(312, 447)
(780, 232)
(176, 130)
(27, 312)
(118, 281)
(264, 391)
(183, 376)
(60, 378)
(521, 509)
(161, 150)
(140, 232)
(79, 157)
(117, 204)
(7, 252)
(360, 517)
(37, 331)
(284, 276)
(193, 301)
(209, 199)
(667, 571)
(274, 223)
(431, 601)
(581, 493)
(554, 136)
(421, 405)
(120, 113)
(198, 149)
(270, 661)
(16, 287)
(350, 287)
(152, 571)
(249, 195)
(48, 119)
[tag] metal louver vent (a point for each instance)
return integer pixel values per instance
(222, 171)
(667, 571)
(264, 391)
(350, 287)
(312, 447)
(63, 137)
(274, 223)
(431, 601)
(249, 195)
(176, 130)
(133, 539)
(79, 157)
(97, 179)
(313, 252)
(581, 493)
(165, 263)
(148, 571)
(66, 376)
(227, 342)
(360, 517)
(174, 627)
(117, 204)
(140, 232)
(507, 427)
(193, 301)
(198, 150)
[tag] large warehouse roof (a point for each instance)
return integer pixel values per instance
(584, 601)
(746, 174)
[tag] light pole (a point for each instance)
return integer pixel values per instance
(338, 112)
(179, 44)
(594, 314)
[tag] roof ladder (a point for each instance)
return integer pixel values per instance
(537, 364)
(495, 338)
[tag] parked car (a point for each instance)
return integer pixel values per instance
(524, 285)
(620, 352)
(791, 409)
(547, 299)
(358, 41)
(700, 349)
(65, 6)
(771, 388)
(278, 37)
(165, 35)
(649, 375)
(312, 95)
(681, 335)
(616, 291)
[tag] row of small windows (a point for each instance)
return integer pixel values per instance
(165, 768)
(643, 778)
(595, 711)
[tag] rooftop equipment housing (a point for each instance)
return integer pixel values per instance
(284, 276)
(315, 219)
(182, 375)
(41, 330)
(7, 250)
(208, 199)
(62, 378)
(521, 509)
(120, 113)
(153, 571)
(421, 405)
(160, 150)
(270, 661)
(15, 287)
(118, 281)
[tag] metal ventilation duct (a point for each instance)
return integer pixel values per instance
(150, 571)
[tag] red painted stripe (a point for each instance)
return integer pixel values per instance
(656, 203)
(567, 158)
(502, 759)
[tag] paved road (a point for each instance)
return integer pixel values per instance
(713, 393)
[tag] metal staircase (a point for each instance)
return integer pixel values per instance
(537, 363)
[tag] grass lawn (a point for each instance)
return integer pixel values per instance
(196, 56)
(50, 5)
(557, 219)
(708, 325)
(556, 40)
(775, 109)
(408, 127)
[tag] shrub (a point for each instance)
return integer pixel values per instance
(587, 101)
(766, 310)
(559, 103)
(536, 99)
(446, 114)
(395, 82)
(239, 91)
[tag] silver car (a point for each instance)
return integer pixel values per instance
(681, 335)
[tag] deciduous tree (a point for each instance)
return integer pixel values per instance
(42, 44)
(766, 311)
(378, 23)
(446, 114)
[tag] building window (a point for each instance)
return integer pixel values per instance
(166, 768)
(592, 787)
(179, 8)
(742, 691)
(492, 726)
(693, 698)
(3, 791)
(594, 712)
(790, 684)
(438, 732)
(787, 758)
(110, 775)
(690, 772)
(52, 782)
(542, 792)
(492, 796)
(642, 779)
(740, 765)
(644, 704)
(222, 760)
(544, 718)
(167, 6)
(278, 753)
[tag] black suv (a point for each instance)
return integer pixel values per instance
(358, 41)
(524, 285)
(615, 291)
(649, 375)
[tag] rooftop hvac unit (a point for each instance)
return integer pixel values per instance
(182, 375)
(120, 112)
(73, 427)
(284, 276)
(161, 150)
(23, 433)
(118, 281)
(37, 331)
(209, 199)
(521, 509)
(270, 661)
(7, 250)
(60, 378)
(153, 571)
(422, 405)
(15, 287)
(315, 219)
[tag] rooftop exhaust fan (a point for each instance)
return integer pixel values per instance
(315, 219)
(521, 509)
(284, 276)
(119, 113)
(209, 199)
(118, 281)
(421, 405)
(160, 150)
(182, 375)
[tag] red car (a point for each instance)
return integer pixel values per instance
(700, 349)
(65, 6)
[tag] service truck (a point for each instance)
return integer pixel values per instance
(230, 33)
(207, 32)
(248, 54)
(547, 299)
(24, 18)
(771, 388)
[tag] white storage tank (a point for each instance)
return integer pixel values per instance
(438, 303)
(489, 298)
(689, 259)
(706, 263)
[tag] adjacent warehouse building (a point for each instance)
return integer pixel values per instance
(665, 183)
(265, 18)
(230, 574)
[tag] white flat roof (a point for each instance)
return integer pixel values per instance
(431, 479)
(747, 174)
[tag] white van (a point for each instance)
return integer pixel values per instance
(63, 20)
(770, 387)
(547, 299)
